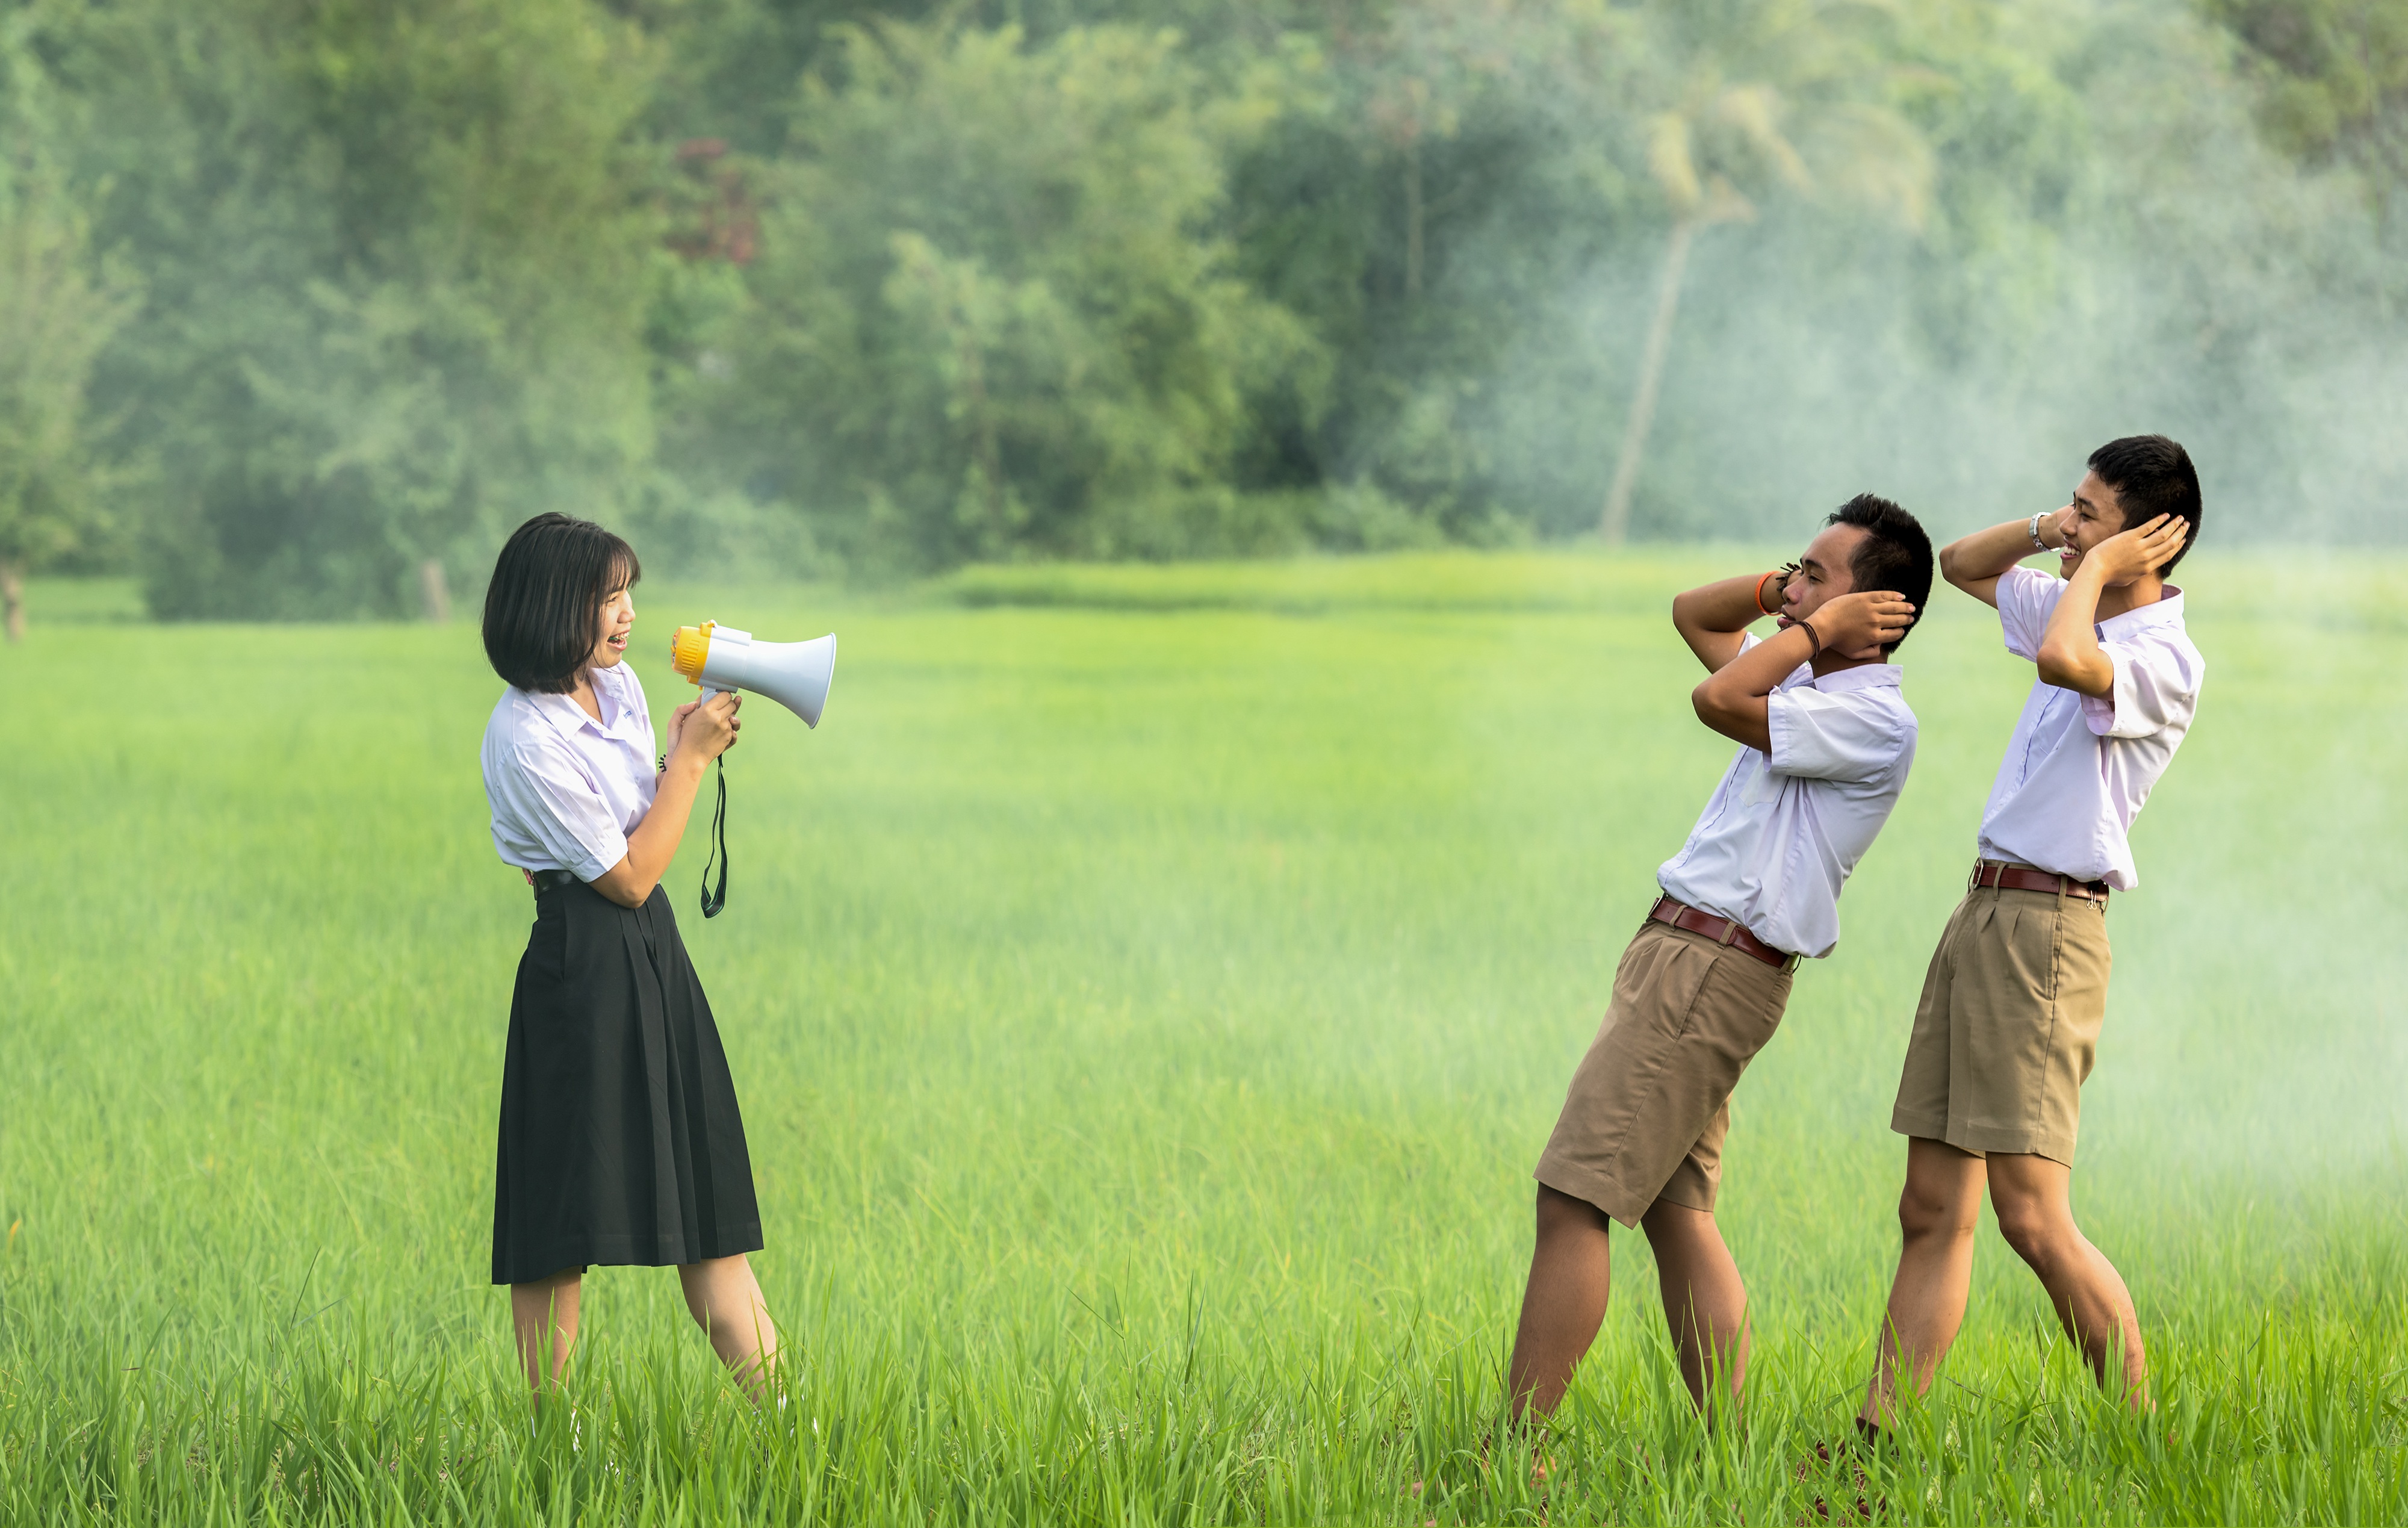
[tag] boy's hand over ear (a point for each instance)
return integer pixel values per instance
(1859, 625)
(2130, 553)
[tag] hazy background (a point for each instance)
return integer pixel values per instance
(305, 303)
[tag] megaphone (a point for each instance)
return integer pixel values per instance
(793, 674)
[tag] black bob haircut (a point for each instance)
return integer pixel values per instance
(1894, 555)
(2151, 476)
(542, 607)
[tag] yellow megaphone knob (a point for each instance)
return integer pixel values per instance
(689, 647)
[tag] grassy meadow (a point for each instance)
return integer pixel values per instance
(1148, 991)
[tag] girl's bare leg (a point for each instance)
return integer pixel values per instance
(726, 1302)
(543, 1317)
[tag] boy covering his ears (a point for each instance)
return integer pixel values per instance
(2016, 992)
(1826, 740)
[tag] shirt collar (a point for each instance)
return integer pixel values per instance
(569, 715)
(1862, 676)
(2166, 608)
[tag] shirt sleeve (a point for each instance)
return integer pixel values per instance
(2156, 685)
(2027, 598)
(564, 813)
(1832, 737)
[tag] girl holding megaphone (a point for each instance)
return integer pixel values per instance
(621, 1142)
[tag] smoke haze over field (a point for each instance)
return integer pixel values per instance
(2190, 279)
(313, 305)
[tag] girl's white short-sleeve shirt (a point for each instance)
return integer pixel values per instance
(567, 790)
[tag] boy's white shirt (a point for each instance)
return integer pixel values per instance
(1783, 832)
(2079, 766)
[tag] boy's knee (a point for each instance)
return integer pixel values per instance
(1922, 1215)
(2038, 1235)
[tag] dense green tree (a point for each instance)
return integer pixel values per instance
(989, 312)
(893, 283)
(397, 261)
(2334, 75)
(1460, 166)
(59, 307)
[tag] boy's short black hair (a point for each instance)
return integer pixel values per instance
(1894, 555)
(548, 586)
(2151, 476)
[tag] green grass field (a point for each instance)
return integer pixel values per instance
(1148, 991)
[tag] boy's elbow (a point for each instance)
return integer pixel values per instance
(1706, 699)
(2084, 675)
(1949, 561)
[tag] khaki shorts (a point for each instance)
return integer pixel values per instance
(2007, 1025)
(1648, 1108)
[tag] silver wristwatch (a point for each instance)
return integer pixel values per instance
(2032, 530)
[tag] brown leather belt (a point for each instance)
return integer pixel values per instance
(1989, 873)
(1681, 915)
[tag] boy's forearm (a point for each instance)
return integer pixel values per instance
(1711, 617)
(1758, 672)
(1988, 553)
(2069, 655)
(1727, 605)
(1734, 700)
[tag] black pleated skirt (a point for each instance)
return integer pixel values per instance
(619, 1139)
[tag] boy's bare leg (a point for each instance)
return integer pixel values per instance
(1938, 1210)
(1570, 1273)
(1704, 1302)
(543, 1316)
(2034, 1199)
(726, 1301)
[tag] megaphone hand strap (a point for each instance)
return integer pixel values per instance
(713, 900)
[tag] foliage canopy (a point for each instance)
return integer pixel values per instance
(309, 298)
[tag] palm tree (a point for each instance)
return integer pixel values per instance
(1800, 117)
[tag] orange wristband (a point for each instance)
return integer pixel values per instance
(1759, 589)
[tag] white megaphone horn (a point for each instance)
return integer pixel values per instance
(793, 674)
